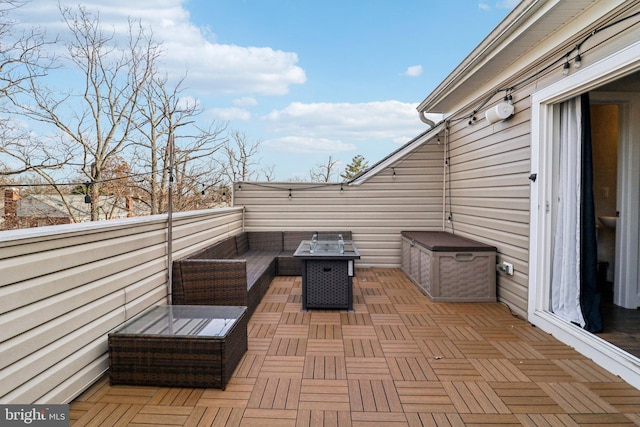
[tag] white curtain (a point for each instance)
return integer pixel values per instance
(565, 280)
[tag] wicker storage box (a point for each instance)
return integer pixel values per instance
(449, 268)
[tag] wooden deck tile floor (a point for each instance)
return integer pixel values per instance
(398, 360)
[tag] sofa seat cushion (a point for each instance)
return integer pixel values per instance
(258, 262)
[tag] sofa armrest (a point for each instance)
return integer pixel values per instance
(210, 282)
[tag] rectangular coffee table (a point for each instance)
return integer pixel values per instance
(179, 346)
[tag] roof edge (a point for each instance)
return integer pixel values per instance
(406, 149)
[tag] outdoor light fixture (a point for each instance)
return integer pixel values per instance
(87, 196)
(394, 172)
(289, 194)
(577, 61)
(502, 111)
(565, 68)
(341, 188)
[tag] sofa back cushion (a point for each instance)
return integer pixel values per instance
(265, 240)
(242, 242)
(224, 249)
(292, 239)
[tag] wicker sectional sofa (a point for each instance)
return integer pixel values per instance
(238, 269)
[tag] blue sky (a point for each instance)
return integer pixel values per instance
(309, 79)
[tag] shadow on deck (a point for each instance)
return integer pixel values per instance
(398, 360)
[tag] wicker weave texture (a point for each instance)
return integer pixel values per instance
(327, 284)
(177, 361)
(465, 277)
(450, 276)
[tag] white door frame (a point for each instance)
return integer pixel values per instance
(617, 65)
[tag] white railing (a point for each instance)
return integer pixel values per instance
(63, 288)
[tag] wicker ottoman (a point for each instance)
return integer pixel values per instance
(179, 346)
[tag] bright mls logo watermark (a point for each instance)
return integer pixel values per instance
(34, 415)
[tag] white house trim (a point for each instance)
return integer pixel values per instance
(608, 69)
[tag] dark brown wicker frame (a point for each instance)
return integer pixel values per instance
(177, 361)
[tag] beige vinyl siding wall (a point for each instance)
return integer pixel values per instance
(488, 190)
(375, 211)
(488, 193)
(63, 288)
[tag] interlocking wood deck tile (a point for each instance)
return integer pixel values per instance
(526, 398)
(546, 420)
(436, 348)
(269, 417)
(400, 348)
(386, 319)
(236, 395)
(517, 350)
(622, 396)
(325, 317)
(362, 348)
(411, 369)
(294, 318)
(362, 332)
(602, 419)
(324, 395)
(358, 318)
(275, 393)
(399, 359)
(325, 347)
(499, 370)
(290, 366)
(587, 371)
(393, 332)
(367, 368)
(318, 418)
(543, 371)
(328, 332)
(292, 331)
(424, 396)
(576, 398)
(373, 396)
(455, 370)
(478, 349)
(418, 319)
(287, 347)
(471, 397)
(261, 330)
(325, 367)
(461, 332)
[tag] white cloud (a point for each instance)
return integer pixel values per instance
(308, 145)
(483, 6)
(246, 101)
(210, 67)
(357, 122)
(230, 113)
(413, 71)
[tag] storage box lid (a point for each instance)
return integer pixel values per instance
(441, 241)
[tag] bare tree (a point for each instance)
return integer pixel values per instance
(164, 113)
(22, 57)
(22, 53)
(324, 172)
(239, 158)
(99, 118)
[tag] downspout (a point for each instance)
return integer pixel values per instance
(424, 119)
(445, 162)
